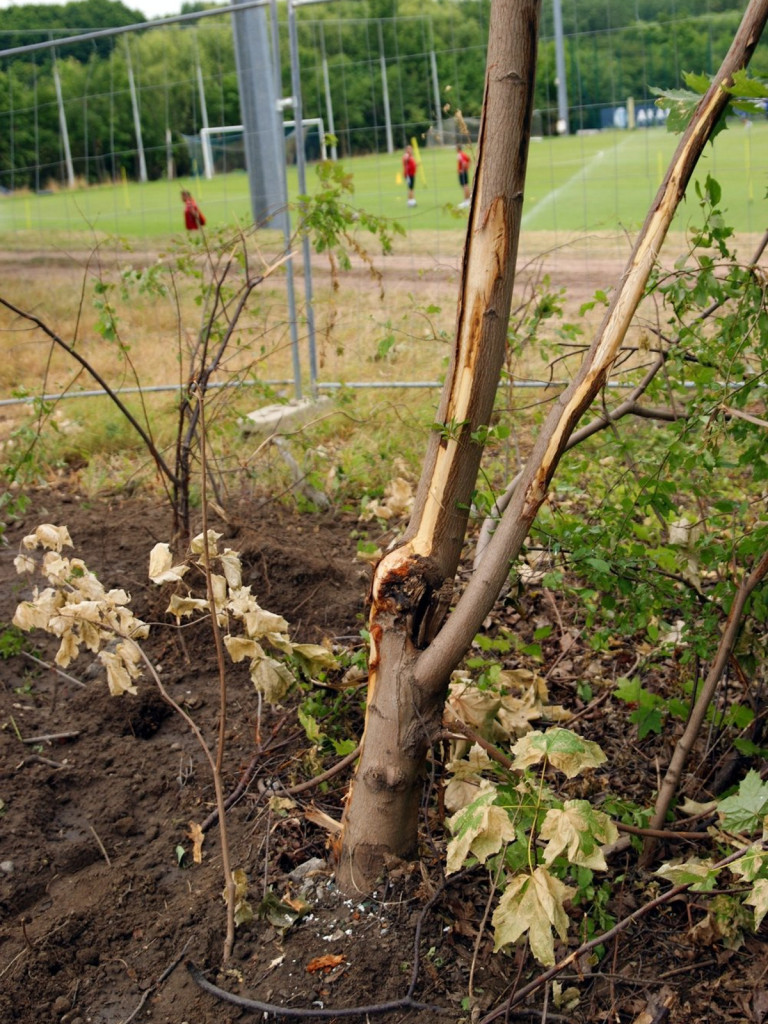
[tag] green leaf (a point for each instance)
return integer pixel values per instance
(681, 104)
(745, 810)
(699, 83)
(751, 864)
(533, 904)
(563, 749)
(310, 726)
(344, 747)
(648, 719)
(578, 831)
(746, 747)
(599, 564)
(701, 875)
(629, 690)
(481, 828)
(747, 88)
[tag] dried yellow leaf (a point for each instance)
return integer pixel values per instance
(196, 835)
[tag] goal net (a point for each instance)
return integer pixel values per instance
(221, 149)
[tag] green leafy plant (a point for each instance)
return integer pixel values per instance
(332, 224)
(742, 832)
(680, 104)
(12, 641)
(530, 839)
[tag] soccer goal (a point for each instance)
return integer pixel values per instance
(228, 154)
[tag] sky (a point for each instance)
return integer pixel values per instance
(149, 8)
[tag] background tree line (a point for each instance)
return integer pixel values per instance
(611, 52)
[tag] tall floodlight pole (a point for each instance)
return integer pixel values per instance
(264, 150)
(290, 285)
(435, 85)
(136, 115)
(385, 92)
(302, 176)
(207, 156)
(328, 100)
(63, 126)
(562, 87)
(436, 90)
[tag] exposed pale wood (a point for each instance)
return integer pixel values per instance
(412, 585)
(487, 581)
(412, 651)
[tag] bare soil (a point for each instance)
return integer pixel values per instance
(99, 917)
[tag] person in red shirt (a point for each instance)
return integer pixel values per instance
(193, 215)
(409, 173)
(463, 161)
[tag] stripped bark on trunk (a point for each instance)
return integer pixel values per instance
(413, 650)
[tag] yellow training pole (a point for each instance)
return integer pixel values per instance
(420, 165)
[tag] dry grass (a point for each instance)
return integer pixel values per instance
(396, 329)
(393, 330)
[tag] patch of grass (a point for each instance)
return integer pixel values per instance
(578, 183)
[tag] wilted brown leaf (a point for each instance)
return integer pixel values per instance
(326, 962)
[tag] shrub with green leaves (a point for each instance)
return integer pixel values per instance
(529, 838)
(742, 830)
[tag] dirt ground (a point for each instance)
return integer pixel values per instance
(99, 918)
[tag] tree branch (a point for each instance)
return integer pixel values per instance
(159, 461)
(573, 957)
(435, 664)
(699, 710)
(600, 422)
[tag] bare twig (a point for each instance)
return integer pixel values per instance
(492, 890)
(157, 457)
(249, 773)
(101, 846)
(575, 955)
(51, 737)
(738, 414)
(148, 992)
(54, 668)
(229, 882)
(345, 762)
(18, 956)
(685, 743)
(492, 751)
(37, 759)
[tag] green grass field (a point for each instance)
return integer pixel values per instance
(590, 183)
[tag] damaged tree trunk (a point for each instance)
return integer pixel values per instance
(412, 652)
(412, 585)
